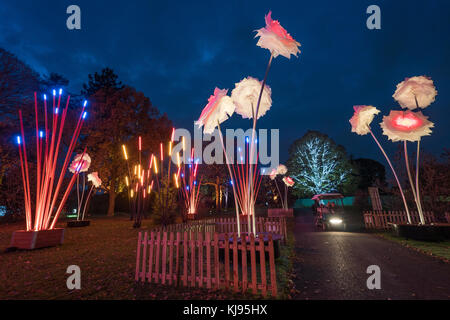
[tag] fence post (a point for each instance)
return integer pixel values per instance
(144, 256)
(158, 245)
(273, 275)
(193, 275)
(216, 259)
(171, 243)
(150, 257)
(208, 260)
(253, 263)
(227, 261)
(164, 259)
(185, 258)
(244, 262)
(177, 261)
(200, 259)
(235, 263)
(262, 258)
(138, 256)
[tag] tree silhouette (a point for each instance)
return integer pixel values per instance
(117, 115)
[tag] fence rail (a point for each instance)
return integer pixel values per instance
(382, 219)
(279, 212)
(274, 225)
(213, 261)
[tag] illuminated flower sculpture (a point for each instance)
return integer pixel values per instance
(360, 121)
(273, 174)
(94, 178)
(415, 92)
(251, 99)
(81, 162)
(276, 39)
(96, 182)
(362, 118)
(281, 169)
(406, 126)
(219, 108)
(288, 182)
(245, 96)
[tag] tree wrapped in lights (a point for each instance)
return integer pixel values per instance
(44, 213)
(189, 184)
(319, 165)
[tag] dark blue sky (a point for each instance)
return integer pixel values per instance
(176, 53)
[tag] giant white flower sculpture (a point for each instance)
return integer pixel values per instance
(415, 92)
(406, 126)
(362, 118)
(273, 174)
(245, 96)
(219, 108)
(276, 39)
(80, 163)
(288, 181)
(281, 169)
(95, 179)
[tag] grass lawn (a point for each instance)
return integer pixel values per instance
(437, 249)
(106, 255)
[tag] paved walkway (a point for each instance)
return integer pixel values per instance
(332, 265)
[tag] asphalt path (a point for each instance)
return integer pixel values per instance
(333, 265)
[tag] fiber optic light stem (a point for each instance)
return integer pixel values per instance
(231, 175)
(255, 118)
(395, 175)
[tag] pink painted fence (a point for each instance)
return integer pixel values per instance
(381, 219)
(179, 258)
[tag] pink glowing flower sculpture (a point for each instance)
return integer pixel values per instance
(245, 96)
(281, 169)
(420, 88)
(288, 181)
(94, 178)
(273, 174)
(406, 126)
(362, 118)
(276, 39)
(82, 165)
(219, 108)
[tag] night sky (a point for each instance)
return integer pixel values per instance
(177, 53)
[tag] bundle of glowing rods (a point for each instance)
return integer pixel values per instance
(190, 190)
(48, 147)
(241, 181)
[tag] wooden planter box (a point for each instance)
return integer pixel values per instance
(279, 212)
(78, 223)
(191, 216)
(22, 239)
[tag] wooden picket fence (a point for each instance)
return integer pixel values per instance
(279, 212)
(177, 258)
(382, 219)
(274, 225)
